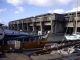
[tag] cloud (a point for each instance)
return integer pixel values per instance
(0, 21)
(56, 11)
(3, 10)
(3, 21)
(20, 9)
(74, 9)
(63, 11)
(48, 2)
(40, 2)
(15, 2)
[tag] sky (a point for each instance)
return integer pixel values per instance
(11, 10)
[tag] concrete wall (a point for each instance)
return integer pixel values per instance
(55, 22)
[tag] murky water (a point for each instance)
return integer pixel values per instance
(56, 37)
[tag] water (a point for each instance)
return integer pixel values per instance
(56, 37)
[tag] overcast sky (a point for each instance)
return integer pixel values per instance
(11, 10)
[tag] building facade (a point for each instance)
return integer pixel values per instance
(56, 23)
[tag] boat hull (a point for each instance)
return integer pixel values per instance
(24, 45)
(72, 37)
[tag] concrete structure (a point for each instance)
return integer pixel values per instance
(57, 23)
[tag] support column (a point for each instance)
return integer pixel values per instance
(41, 26)
(10, 27)
(34, 26)
(28, 27)
(22, 26)
(18, 27)
(14, 26)
(55, 25)
(52, 29)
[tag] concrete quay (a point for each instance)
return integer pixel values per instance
(20, 56)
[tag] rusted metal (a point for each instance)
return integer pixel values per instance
(58, 41)
(56, 48)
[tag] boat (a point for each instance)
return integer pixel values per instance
(75, 35)
(10, 39)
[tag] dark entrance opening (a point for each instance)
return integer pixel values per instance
(78, 29)
(37, 28)
(68, 30)
(47, 28)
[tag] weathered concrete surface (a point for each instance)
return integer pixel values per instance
(16, 56)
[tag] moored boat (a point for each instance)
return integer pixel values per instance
(8, 40)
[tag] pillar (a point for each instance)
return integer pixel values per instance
(52, 30)
(41, 26)
(28, 29)
(18, 27)
(22, 26)
(55, 26)
(15, 27)
(10, 26)
(34, 26)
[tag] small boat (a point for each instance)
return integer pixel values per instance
(73, 36)
(9, 39)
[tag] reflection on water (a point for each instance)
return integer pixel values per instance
(56, 37)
